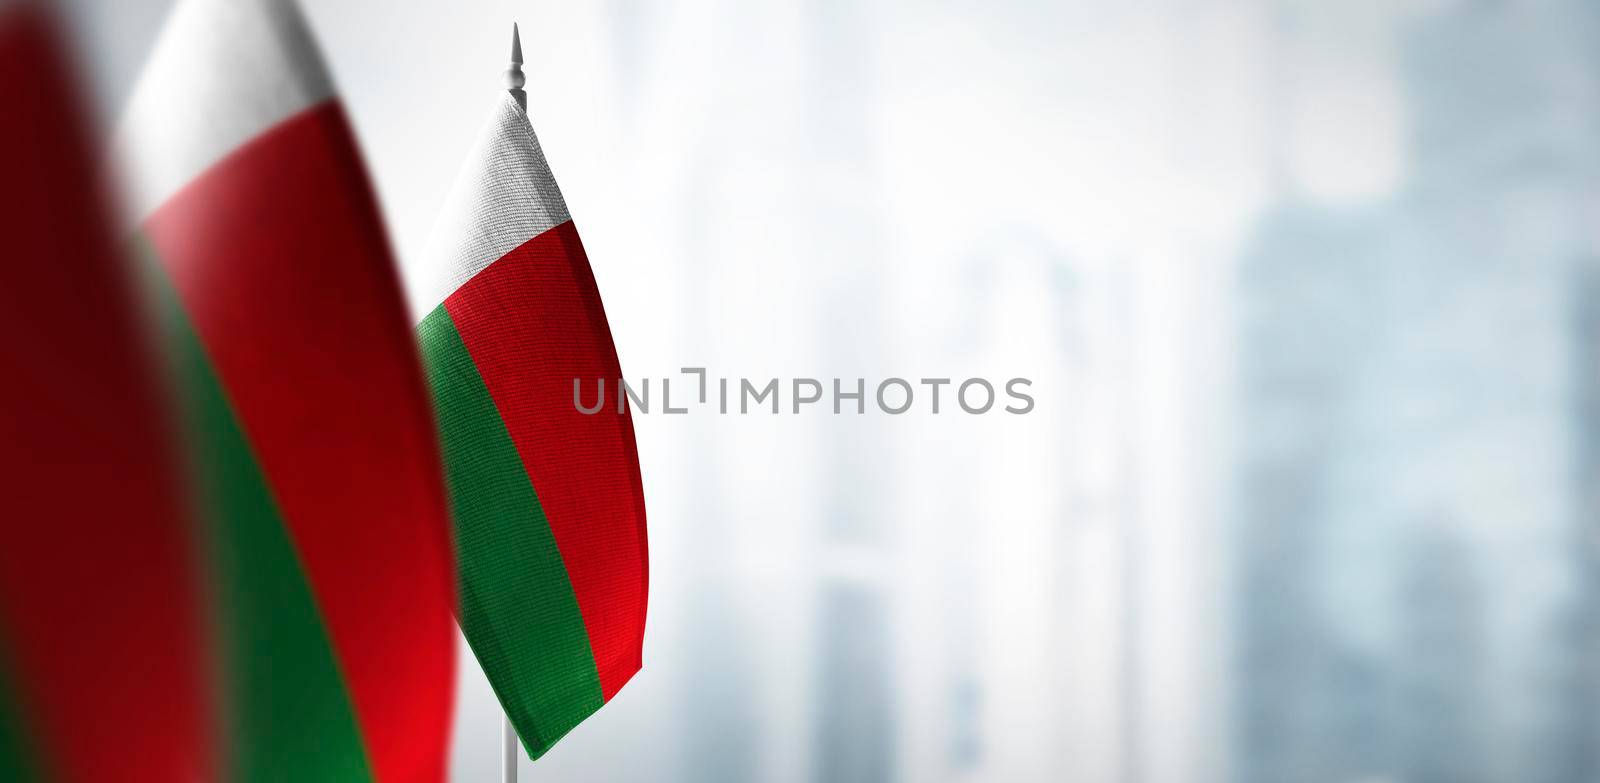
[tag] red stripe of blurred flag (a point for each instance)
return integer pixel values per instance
(307, 413)
(102, 673)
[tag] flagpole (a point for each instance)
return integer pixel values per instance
(514, 77)
(508, 732)
(508, 750)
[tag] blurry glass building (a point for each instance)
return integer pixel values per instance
(1414, 595)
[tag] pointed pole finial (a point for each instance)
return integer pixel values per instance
(514, 77)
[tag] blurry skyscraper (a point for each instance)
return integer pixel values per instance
(1414, 454)
(1033, 672)
(1305, 691)
(854, 709)
(1578, 632)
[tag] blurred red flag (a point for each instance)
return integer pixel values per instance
(303, 400)
(102, 673)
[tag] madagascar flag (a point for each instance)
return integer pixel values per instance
(102, 655)
(549, 512)
(309, 421)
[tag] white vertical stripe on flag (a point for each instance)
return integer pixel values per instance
(187, 112)
(504, 197)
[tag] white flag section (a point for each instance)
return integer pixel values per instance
(220, 74)
(504, 197)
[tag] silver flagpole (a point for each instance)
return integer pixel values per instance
(508, 750)
(508, 733)
(514, 77)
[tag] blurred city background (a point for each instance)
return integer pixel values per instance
(1309, 292)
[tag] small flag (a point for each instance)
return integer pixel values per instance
(102, 654)
(552, 562)
(309, 421)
